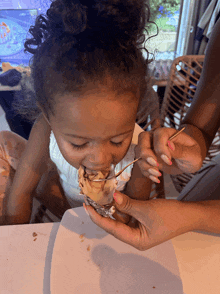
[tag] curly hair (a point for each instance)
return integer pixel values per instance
(84, 41)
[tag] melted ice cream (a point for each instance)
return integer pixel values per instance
(100, 192)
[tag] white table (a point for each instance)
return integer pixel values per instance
(25, 263)
(25, 260)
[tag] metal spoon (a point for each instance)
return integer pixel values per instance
(121, 171)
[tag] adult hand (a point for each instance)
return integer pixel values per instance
(182, 154)
(158, 220)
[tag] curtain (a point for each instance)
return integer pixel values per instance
(197, 41)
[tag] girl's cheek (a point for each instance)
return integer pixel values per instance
(120, 154)
(73, 157)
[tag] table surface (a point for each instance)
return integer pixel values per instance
(26, 253)
(86, 259)
(24, 256)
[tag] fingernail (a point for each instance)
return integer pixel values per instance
(85, 209)
(171, 147)
(154, 179)
(154, 172)
(166, 159)
(152, 161)
(118, 198)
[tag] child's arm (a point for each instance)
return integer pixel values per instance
(31, 166)
(139, 186)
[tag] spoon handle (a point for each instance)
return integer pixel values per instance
(177, 133)
(172, 137)
(121, 171)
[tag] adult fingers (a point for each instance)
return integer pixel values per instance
(183, 148)
(148, 162)
(150, 172)
(164, 148)
(129, 206)
(144, 149)
(119, 230)
(126, 205)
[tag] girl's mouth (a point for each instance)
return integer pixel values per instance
(101, 191)
(94, 171)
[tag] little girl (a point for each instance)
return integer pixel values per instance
(89, 77)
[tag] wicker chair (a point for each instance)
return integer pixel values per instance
(183, 79)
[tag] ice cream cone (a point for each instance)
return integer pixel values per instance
(98, 194)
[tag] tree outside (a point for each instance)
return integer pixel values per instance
(162, 12)
(166, 16)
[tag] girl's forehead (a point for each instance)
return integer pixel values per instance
(95, 101)
(95, 113)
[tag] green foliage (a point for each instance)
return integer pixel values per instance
(160, 12)
(162, 25)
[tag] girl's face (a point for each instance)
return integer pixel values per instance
(94, 129)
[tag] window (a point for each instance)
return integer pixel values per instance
(166, 15)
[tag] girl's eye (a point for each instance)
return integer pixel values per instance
(79, 146)
(117, 143)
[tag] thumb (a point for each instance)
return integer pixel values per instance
(124, 204)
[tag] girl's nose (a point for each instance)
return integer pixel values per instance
(99, 158)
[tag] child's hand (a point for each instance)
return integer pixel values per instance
(158, 221)
(182, 154)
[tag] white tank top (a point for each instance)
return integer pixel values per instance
(69, 174)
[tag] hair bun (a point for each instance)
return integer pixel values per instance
(122, 20)
(103, 21)
(74, 17)
(90, 24)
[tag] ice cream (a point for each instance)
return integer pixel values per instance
(99, 194)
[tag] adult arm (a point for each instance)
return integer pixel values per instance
(202, 122)
(159, 220)
(204, 112)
